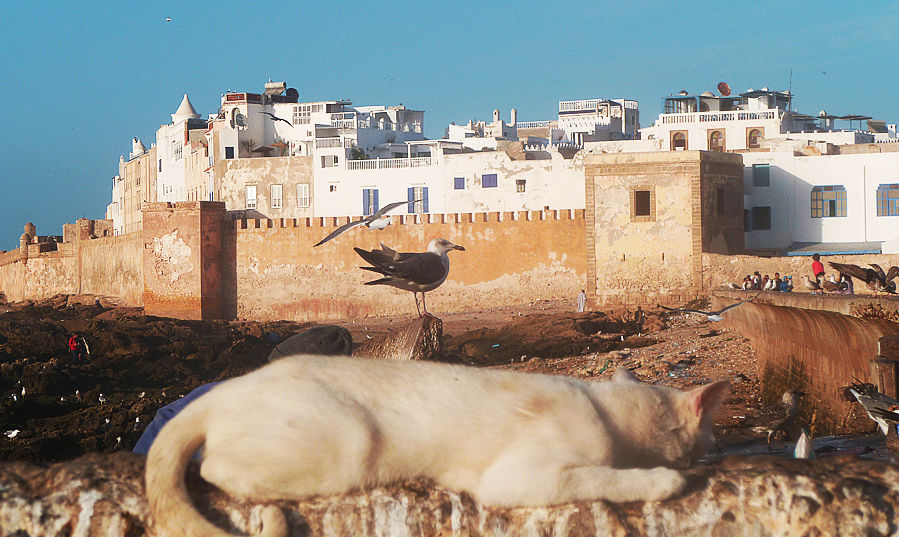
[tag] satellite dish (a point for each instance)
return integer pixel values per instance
(723, 89)
(240, 120)
(292, 92)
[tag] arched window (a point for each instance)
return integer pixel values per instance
(678, 141)
(754, 138)
(716, 141)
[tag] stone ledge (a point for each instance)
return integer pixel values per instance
(842, 495)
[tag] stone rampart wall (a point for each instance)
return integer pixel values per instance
(113, 266)
(817, 352)
(510, 258)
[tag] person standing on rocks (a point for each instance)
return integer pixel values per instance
(581, 301)
(78, 348)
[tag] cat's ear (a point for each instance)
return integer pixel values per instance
(705, 399)
(623, 375)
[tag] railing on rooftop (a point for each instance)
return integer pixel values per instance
(389, 163)
(532, 124)
(324, 143)
(730, 115)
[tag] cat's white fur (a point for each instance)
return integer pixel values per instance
(311, 425)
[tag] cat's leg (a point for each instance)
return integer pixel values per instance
(531, 481)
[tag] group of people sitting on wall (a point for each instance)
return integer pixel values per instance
(756, 281)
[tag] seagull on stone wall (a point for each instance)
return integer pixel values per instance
(711, 315)
(875, 278)
(418, 272)
(378, 220)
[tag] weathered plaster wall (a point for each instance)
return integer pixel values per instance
(817, 352)
(49, 274)
(644, 260)
(112, 266)
(12, 276)
(521, 258)
(265, 172)
(175, 268)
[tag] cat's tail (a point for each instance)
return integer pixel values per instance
(171, 508)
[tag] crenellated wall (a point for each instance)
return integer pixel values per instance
(510, 258)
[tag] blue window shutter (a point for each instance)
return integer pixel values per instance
(411, 198)
(364, 202)
(376, 206)
(425, 202)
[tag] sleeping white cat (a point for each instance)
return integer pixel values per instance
(312, 425)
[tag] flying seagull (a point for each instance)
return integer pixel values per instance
(276, 118)
(875, 278)
(378, 220)
(781, 416)
(416, 272)
(880, 408)
(711, 315)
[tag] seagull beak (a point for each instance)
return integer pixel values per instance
(457, 247)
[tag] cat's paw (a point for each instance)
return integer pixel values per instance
(664, 483)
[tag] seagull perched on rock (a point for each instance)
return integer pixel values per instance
(102, 398)
(11, 433)
(711, 315)
(780, 416)
(118, 443)
(880, 408)
(137, 423)
(875, 278)
(378, 220)
(276, 118)
(411, 271)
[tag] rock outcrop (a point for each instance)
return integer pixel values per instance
(755, 496)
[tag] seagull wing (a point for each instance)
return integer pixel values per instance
(418, 268)
(881, 275)
(731, 306)
(684, 310)
(892, 273)
(389, 207)
(341, 229)
(855, 271)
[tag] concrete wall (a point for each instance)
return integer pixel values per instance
(817, 352)
(111, 266)
(657, 258)
(265, 172)
(519, 259)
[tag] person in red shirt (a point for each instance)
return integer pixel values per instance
(817, 267)
(77, 348)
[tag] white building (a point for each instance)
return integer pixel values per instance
(595, 120)
(171, 140)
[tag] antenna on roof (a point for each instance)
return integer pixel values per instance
(790, 100)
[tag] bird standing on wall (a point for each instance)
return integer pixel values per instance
(711, 315)
(812, 286)
(276, 118)
(781, 416)
(378, 220)
(874, 277)
(411, 271)
(831, 285)
(880, 408)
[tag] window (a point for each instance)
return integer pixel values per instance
(761, 218)
(329, 161)
(721, 203)
(678, 141)
(519, 185)
(301, 114)
(276, 191)
(229, 152)
(369, 201)
(761, 175)
(332, 187)
(488, 180)
(176, 150)
(418, 195)
(303, 196)
(754, 138)
(160, 165)
(716, 141)
(251, 196)
(828, 201)
(888, 200)
(641, 203)
(747, 220)
(459, 183)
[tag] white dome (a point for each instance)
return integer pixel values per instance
(185, 111)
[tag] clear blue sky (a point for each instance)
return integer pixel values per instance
(80, 79)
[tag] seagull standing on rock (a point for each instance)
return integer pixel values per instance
(11, 433)
(782, 415)
(411, 271)
(102, 398)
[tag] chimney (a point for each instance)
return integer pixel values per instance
(514, 118)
